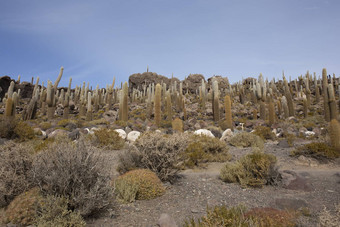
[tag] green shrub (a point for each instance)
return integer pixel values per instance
(15, 171)
(108, 139)
(64, 122)
(317, 150)
(54, 211)
(138, 184)
(246, 139)
(265, 133)
(161, 153)
(76, 172)
(45, 125)
(22, 210)
(205, 149)
(255, 170)
(129, 160)
(23, 131)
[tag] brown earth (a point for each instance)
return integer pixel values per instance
(316, 187)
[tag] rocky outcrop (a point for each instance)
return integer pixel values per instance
(192, 82)
(26, 89)
(5, 81)
(223, 82)
(137, 80)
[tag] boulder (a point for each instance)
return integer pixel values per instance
(5, 81)
(121, 133)
(226, 135)
(110, 115)
(204, 132)
(133, 136)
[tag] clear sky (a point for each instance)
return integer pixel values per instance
(96, 40)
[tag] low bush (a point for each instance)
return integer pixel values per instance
(129, 160)
(15, 171)
(205, 149)
(23, 131)
(22, 210)
(238, 216)
(45, 125)
(264, 132)
(317, 150)
(246, 139)
(161, 153)
(108, 139)
(54, 211)
(255, 170)
(138, 184)
(7, 126)
(75, 172)
(328, 218)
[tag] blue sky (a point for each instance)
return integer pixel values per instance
(96, 40)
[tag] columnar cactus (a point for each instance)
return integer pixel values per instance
(215, 101)
(228, 115)
(285, 107)
(289, 98)
(89, 107)
(157, 102)
(50, 100)
(334, 134)
(332, 102)
(271, 112)
(262, 110)
(325, 95)
(125, 102)
(168, 105)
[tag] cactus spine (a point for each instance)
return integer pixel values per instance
(157, 104)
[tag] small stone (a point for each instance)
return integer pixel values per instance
(204, 132)
(121, 133)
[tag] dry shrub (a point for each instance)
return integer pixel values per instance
(237, 216)
(76, 172)
(330, 219)
(7, 126)
(15, 171)
(161, 153)
(108, 139)
(138, 184)
(264, 132)
(22, 210)
(205, 149)
(129, 160)
(255, 170)
(246, 139)
(23, 131)
(54, 211)
(45, 125)
(272, 217)
(317, 150)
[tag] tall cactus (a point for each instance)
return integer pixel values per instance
(215, 101)
(332, 102)
(157, 103)
(325, 95)
(228, 115)
(9, 108)
(334, 128)
(271, 112)
(89, 107)
(125, 102)
(50, 100)
(289, 98)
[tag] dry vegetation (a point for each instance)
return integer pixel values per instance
(70, 155)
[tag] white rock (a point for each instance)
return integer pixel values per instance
(204, 132)
(226, 134)
(309, 133)
(158, 131)
(121, 133)
(133, 136)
